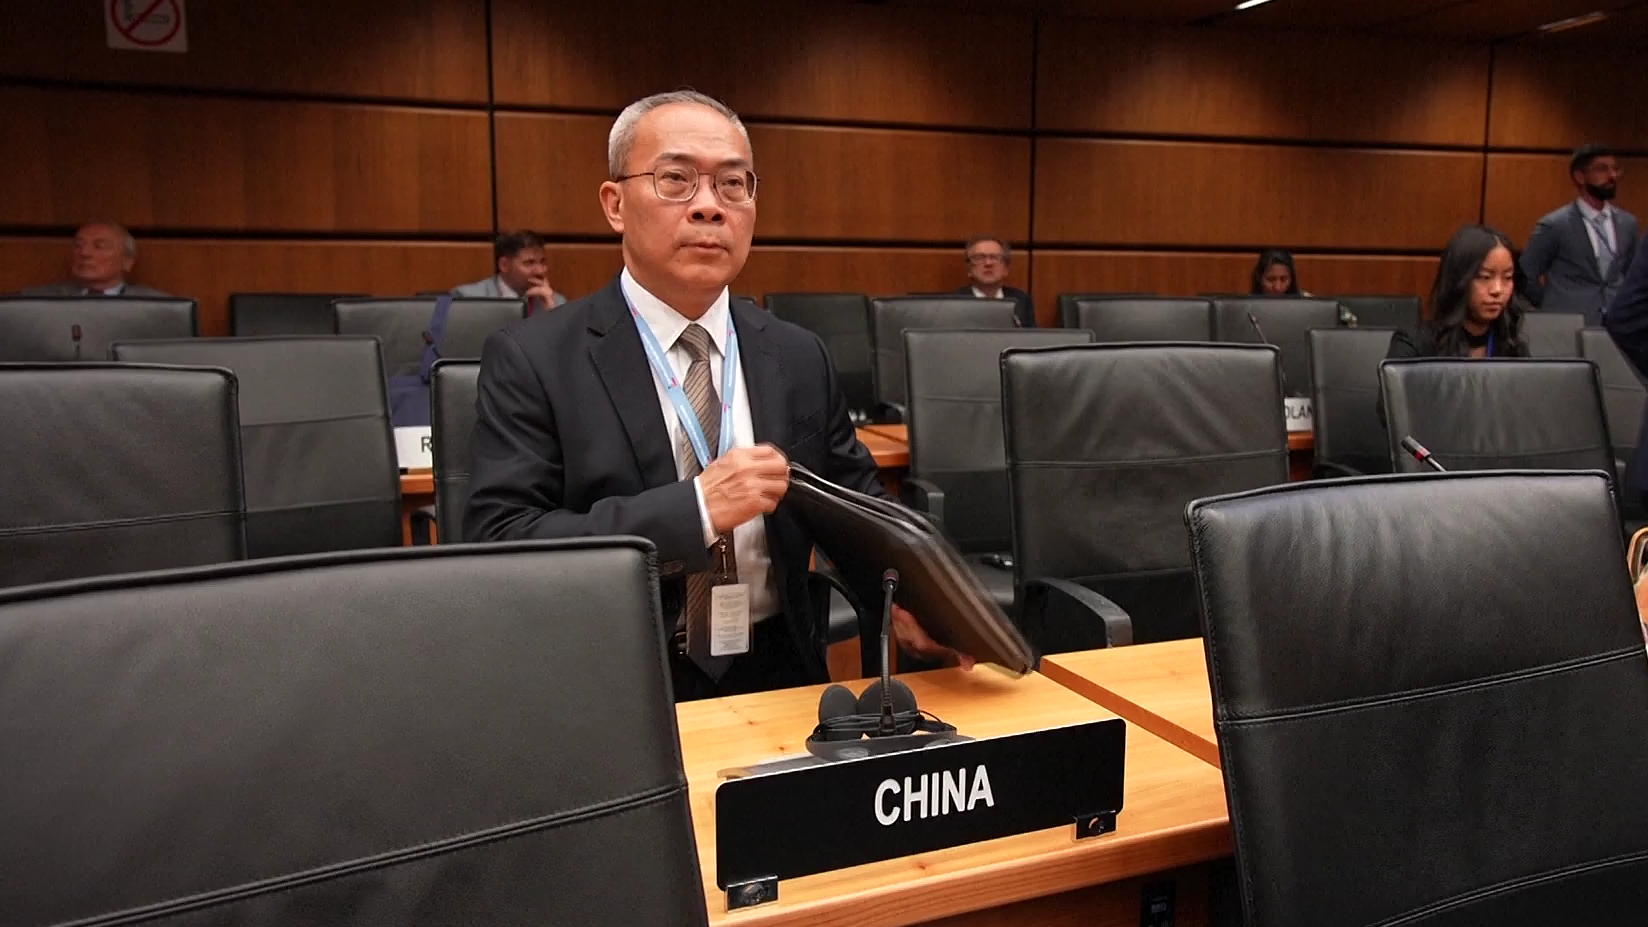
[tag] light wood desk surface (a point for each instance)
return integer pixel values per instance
(1173, 814)
(900, 433)
(1162, 688)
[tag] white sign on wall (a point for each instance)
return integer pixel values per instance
(146, 25)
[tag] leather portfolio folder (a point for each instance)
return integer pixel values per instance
(865, 536)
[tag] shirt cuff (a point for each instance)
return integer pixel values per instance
(703, 513)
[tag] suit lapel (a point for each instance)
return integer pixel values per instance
(621, 362)
(763, 374)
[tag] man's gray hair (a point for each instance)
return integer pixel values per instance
(128, 244)
(622, 137)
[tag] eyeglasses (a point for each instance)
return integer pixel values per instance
(986, 258)
(679, 184)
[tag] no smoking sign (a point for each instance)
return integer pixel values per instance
(146, 25)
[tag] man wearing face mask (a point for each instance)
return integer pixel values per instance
(1579, 254)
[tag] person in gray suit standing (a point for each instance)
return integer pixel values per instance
(522, 271)
(104, 254)
(1579, 254)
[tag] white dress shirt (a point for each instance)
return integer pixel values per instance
(750, 538)
(1611, 242)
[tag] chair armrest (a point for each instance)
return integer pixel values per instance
(425, 529)
(924, 497)
(1059, 616)
(820, 588)
(888, 413)
(1329, 469)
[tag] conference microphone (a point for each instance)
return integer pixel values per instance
(74, 335)
(1253, 320)
(889, 585)
(1421, 454)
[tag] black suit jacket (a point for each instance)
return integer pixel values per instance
(570, 441)
(1627, 321)
(1024, 309)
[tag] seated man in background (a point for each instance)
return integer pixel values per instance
(522, 270)
(987, 262)
(104, 253)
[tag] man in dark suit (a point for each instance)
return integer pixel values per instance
(661, 407)
(1627, 322)
(988, 260)
(1578, 254)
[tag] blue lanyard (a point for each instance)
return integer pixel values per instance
(1490, 344)
(665, 374)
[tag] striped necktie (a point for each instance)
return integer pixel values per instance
(706, 405)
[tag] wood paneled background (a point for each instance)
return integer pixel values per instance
(353, 146)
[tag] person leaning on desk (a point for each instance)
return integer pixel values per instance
(606, 416)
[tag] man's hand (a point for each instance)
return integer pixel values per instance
(915, 639)
(744, 483)
(543, 293)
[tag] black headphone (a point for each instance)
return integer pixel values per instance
(844, 716)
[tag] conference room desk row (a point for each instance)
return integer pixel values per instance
(1172, 832)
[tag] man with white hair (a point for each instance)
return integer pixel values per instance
(660, 407)
(103, 255)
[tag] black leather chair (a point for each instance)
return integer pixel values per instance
(1623, 397)
(402, 323)
(1431, 700)
(81, 328)
(1402, 312)
(452, 389)
(1145, 318)
(843, 321)
(439, 735)
(958, 465)
(1067, 304)
(1524, 413)
(891, 317)
(1552, 334)
(1106, 444)
(1344, 373)
(110, 469)
(316, 447)
(264, 314)
(1285, 320)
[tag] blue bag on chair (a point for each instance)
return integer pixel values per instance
(409, 393)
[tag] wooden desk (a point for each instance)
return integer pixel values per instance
(891, 455)
(1301, 454)
(899, 433)
(1173, 817)
(1162, 688)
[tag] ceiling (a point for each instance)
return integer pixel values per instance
(1480, 20)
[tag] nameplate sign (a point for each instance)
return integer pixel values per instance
(413, 448)
(1298, 412)
(820, 818)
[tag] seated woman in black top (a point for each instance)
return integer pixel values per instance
(1274, 275)
(1472, 313)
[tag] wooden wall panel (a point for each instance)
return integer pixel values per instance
(874, 271)
(1562, 97)
(430, 50)
(210, 163)
(816, 183)
(770, 58)
(1144, 193)
(209, 271)
(1102, 77)
(1523, 188)
(1193, 273)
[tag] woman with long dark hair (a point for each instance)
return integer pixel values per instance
(1473, 312)
(1274, 275)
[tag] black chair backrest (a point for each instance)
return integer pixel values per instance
(440, 735)
(263, 314)
(401, 323)
(891, 317)
(1623, 395)
(1067, 304)
(114, 468)
(1452, 664)
(1285, 320)
(317, 450)
(452, 392)
(1107, 443)
(44, 328)
(1401, 312)
(1145, 318)
(1497, 414)
(843, 321)
(953, 380)
(1552, 334)
(1344, 373)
